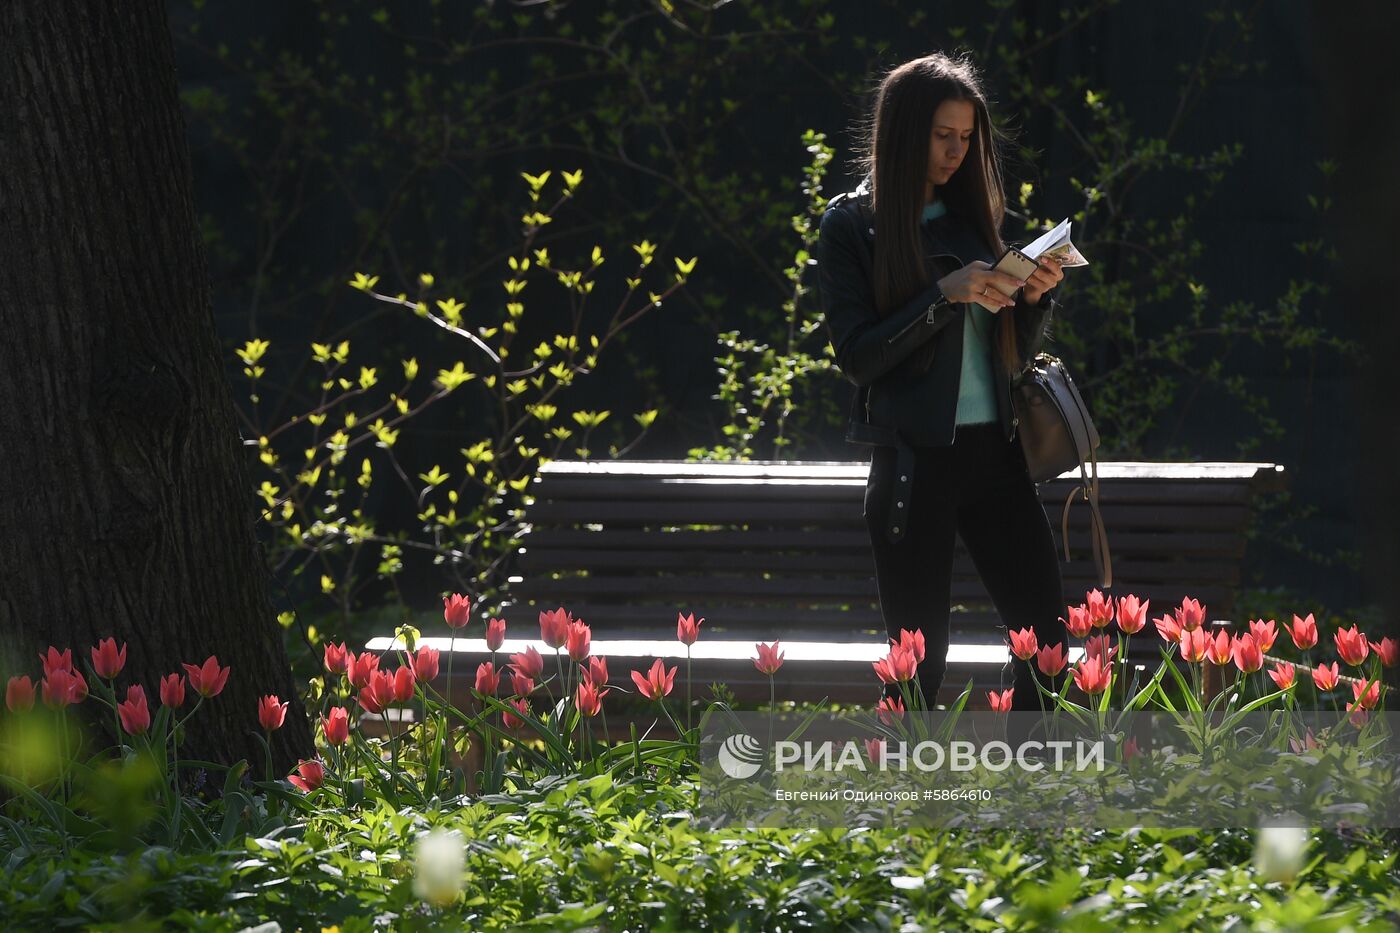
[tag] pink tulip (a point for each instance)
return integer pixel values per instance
(1051, 659)
(1303, 632)
(134, 714)
(687, 628)
(658, 681)
(912, 642)
(1248, 657)
(1092, 675)
(1219, 648)
(1190, 615)
(512, 722)
(172, 690)
(1193, 644)
(1169, 628)
(875, 749)
(272, 712)
(208, 679)
(1079, 622)
(770, 658)
(404, 684)
(889, 708)
(19, 694)
(529, 662)
(64, 687)
(488, 679)
(309, 775)
(1388, 650)
(1369, 698)
(578, 640)
(337, 658)
(56, 661)
(589, 699)
(425, 664)
(1100, 609)
(1325, 677)
(495, 634)
(1352, 646)
(379, 693)
(1282, 675)
(1130, 749)
(336, 726)
(1001, 702)
(898, 666)
(1023, 644)
(521, 685)
(1132, 614)
(359, 669)
(456, 610)
(1264, 633)
(1101, 646)
(107, 659)
(596, 672)
(554, 627)
(1308, 743)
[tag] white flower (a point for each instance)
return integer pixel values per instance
(439, 861)
(1279, 852)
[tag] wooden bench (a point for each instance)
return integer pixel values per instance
(770, 551)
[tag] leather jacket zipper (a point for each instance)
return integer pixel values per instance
(927, 318)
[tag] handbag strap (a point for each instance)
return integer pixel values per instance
(1089, 489)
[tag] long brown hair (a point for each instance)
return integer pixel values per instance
(895, 158)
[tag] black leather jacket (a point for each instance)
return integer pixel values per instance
(874, 353)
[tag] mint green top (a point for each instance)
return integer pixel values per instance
(977, 402)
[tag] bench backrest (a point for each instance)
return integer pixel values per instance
(780, 549)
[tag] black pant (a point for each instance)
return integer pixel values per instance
(981, 489)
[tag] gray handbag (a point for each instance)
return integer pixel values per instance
(1057, 436)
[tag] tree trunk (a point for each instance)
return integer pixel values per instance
(126, 507)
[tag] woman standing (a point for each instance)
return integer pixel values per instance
(902, 263)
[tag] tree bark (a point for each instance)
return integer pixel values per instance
(127, 509)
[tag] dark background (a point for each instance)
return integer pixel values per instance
(320, 149)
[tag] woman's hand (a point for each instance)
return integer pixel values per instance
(973, 282)
(1043, 279)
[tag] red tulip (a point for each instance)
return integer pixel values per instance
(1282, 675)
(488, 679)
(1368, 698)
(888, 708)
(495, 634)
(554, 627)
(1051, 659)
(1388, 650)
(1023, 644)
(19, 694)
(512, 722)
(379, 693)
(1079, 622)
(1219, 648)
(1351, 645)
(912, 642)
(107, 661)
(1101, 646)
(425, 664)
(1190, 615)
(1264, 633)
(1132, 614)
(528, 662)
(597, 671)
(456, 610)
(658, 681)
(1246, 653)
(521, 685)
(578, 639)
(1303, 632)
(1092, 675)
(54, 661)
(337, 726)
(875, 749)
(309, 775)
(337, 658)
(172, 690)
(359, 669)
(64, 687)
(687, 628)
(770, 658)
(272, 712)
(1193, 644)
(898, 666)
(1001, 702)
(207, 680)
(1169, 628)
(589, 699)
(404, 684)
(134, 714)
(1100, 609)
(1325, 677)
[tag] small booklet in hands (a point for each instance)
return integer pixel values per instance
(1054, 243)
